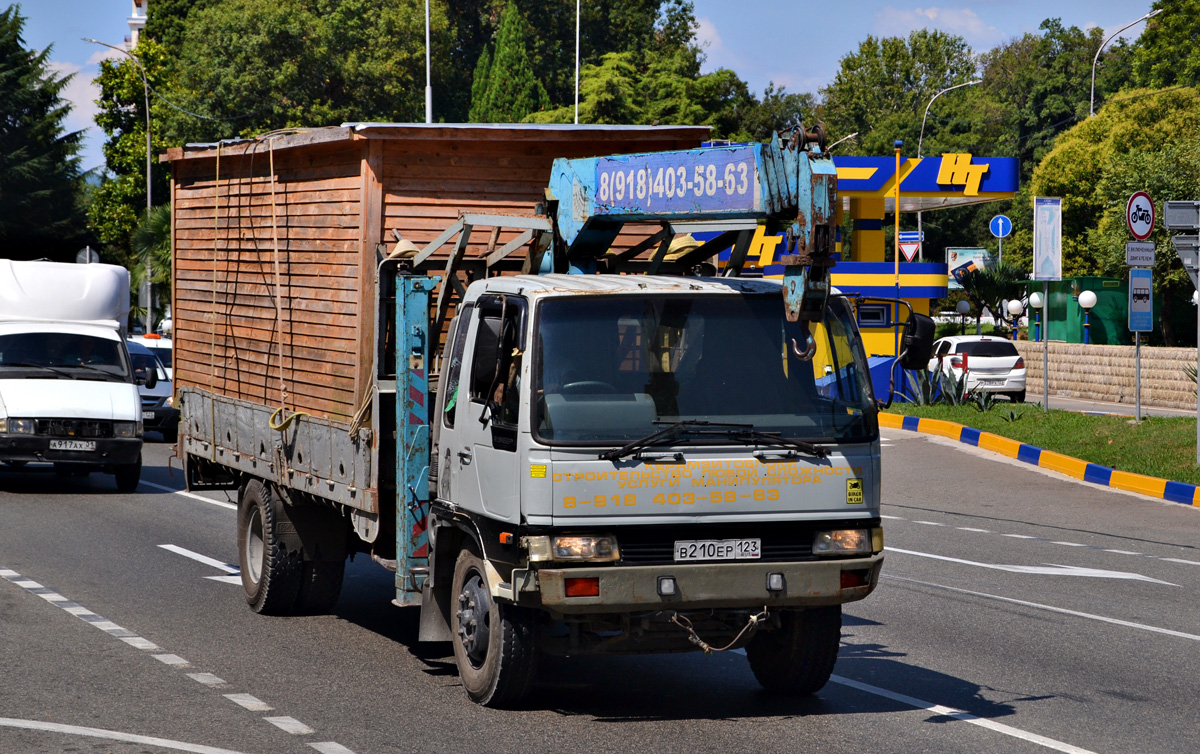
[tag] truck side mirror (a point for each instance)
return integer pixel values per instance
(916, 344)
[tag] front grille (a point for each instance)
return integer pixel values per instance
(74, 428)
(781, 541)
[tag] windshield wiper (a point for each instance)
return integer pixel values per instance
(672, 431)
(745, 433)
(29, 365)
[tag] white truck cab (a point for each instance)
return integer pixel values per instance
(67, 390)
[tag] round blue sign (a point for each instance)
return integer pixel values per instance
(1000, 226)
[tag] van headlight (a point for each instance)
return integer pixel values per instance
(842, 542)
(127, 429)
(18, 426)
(574, 547)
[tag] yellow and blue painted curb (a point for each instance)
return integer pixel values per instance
(1164, 489)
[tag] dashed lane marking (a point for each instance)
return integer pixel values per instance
(1098, 548)
(289, 724)
(194, 496)
(112, 735)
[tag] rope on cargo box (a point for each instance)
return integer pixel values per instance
(212, 325)
(283, 425)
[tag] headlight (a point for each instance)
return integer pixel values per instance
(127, 429)
(169, 402)
(590, 549)
(842, 542)
(18, 426)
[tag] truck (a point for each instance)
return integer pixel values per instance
(68, 390)
(611, 451)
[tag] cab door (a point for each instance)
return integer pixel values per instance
(482, 445)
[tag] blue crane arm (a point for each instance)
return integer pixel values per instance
(788, 187)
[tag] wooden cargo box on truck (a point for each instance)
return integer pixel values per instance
(275, 245)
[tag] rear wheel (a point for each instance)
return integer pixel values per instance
(320, 586)
(797, 657)
(1017, 397)
(271, 574)
(495, 644)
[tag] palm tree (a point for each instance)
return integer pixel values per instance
(152, 241)
(991, 286)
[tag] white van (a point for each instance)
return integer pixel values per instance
(67, 389)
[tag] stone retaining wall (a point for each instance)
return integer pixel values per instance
(1106, 373)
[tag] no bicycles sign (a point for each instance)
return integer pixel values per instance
(1139, 215)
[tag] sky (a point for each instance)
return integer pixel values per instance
(792, 43)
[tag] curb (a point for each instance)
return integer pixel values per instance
(1164, 489)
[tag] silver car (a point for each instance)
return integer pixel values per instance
(991, 364)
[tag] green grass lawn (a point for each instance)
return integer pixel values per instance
(1163, 447)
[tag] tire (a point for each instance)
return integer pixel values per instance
(1018, 397)
(320, 586)
(495, 644)
(271, 574)
(797, 657)
(128, 475)
(172, 434)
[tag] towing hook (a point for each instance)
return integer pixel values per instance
(808, 353)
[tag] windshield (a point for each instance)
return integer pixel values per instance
(608, 367)
(163, 354)
(58, 355)
(988, 348)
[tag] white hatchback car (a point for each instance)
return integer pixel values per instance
(991, 364)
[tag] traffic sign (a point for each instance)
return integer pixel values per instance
(911, 236)
(1186, 247)
(910, 249)
(1183, 215)
(1000, 226)
(1141, 300)
(1139, 215)
(1139, 253)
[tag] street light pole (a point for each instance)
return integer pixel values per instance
(921, 139)
(1092, 101)
(149, 321)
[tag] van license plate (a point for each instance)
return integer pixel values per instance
(718, 549)
(72, 445)
(147, 415)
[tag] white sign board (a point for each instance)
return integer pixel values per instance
(1139, 254)
(1047, 238)
(1188, 249)
(1184, 215)
(1139, 215)
(962, 261)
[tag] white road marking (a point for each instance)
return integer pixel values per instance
(965, 717)
(330, 747)
(1179, 560)
(138, 642)
(226, 579)
(252, 703)
(1018, 536)
(170, 659)
(194, 496)
(208, 679)
(1126, 552)
(112, 735)
(892, 518)
(928, 523)
(1069, 544)
(1053, 609)
(1044, 570)
(230, 569)
(981, 531)
(290, 725)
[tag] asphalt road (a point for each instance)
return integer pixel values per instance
(1019, 612)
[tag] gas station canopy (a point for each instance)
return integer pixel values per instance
(927, 183)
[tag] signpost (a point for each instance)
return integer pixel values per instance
(1141, 319)
(1047, 266)
(1000, 226)
(1139, 215)
(910, 243)
(1185, 215)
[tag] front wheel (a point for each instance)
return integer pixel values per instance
(128, 475)
(797, 657)
(271, 574)
(495, 644)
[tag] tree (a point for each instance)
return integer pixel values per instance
(880, 91)
(509, 90)
(245, 67)
(1168, 52)
(40, 183)
(151, 242)
(990, 287)
(119, 203)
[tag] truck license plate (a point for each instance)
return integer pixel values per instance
(718, 549)
(72, 445)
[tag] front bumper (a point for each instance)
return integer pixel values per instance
(163, 418)
(626, 589)
(36, 449)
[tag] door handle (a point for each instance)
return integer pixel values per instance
(465, 457)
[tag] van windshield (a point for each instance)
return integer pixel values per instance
(607, 367)
(54, 355)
